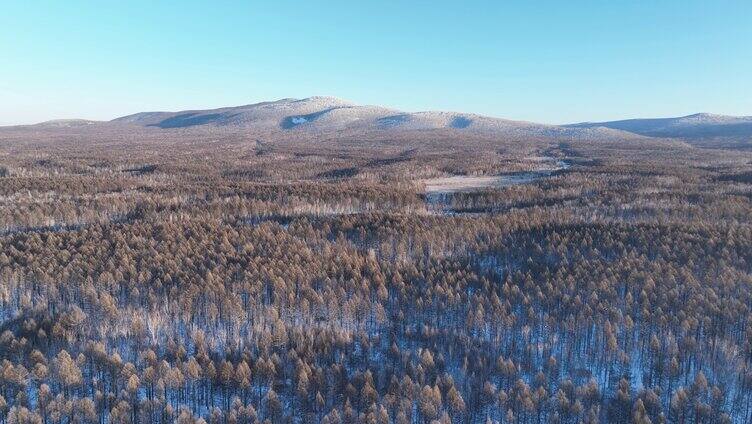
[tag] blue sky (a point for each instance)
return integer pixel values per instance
(553, 62)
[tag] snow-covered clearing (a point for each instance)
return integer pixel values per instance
(460, 183)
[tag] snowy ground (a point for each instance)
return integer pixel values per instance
(459, 183)
(462, 183)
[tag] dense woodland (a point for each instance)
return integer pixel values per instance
(166, 276)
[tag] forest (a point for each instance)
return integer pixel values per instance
(159, 277)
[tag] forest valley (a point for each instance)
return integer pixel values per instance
(173, 276)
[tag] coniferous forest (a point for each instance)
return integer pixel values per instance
(169, 275)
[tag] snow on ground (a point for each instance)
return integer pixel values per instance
(460, 183)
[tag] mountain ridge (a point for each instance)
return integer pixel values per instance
(322, 115)
(694, 126)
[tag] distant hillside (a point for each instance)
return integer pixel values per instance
(328, 114)
(66, 123)
(697, 126)
(333, 118)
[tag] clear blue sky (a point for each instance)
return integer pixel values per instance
(553, 62)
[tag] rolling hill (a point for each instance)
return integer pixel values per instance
(322, 117)
(328, 114)
(691, 127)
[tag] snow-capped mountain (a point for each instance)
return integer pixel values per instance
(326, 114)
(320, 116)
